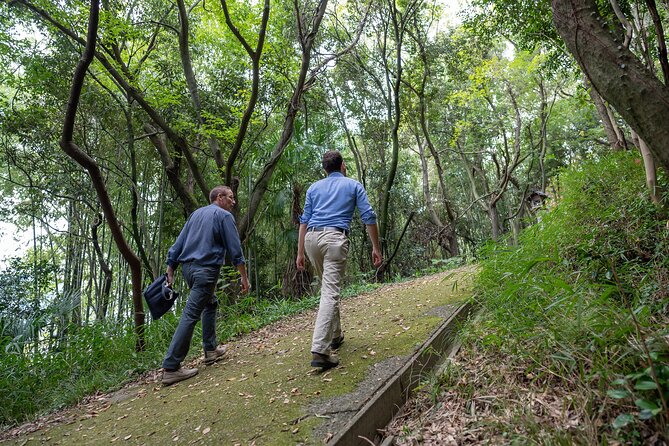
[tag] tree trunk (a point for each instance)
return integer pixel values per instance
(649, 167)
(616, 73)
(255, 83)
(493, 214)
(103, 298)
(88, 163)
(261, 184)
(171, 170)
(399, 22)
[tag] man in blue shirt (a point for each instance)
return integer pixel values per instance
(324, 227)
(201, 247)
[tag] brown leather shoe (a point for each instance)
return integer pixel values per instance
(324, 361)
(212, 356)
(178, 375)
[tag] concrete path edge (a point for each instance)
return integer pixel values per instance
(389, 398)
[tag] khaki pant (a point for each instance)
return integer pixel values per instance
(327, 251)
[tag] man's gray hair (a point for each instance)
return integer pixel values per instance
(215, 192)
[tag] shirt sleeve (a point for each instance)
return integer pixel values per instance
(306, 214)
(232, 242)
(367, 214)
(175, 251)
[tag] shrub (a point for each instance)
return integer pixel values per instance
(583, 296)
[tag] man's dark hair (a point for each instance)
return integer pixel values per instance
(332, 161)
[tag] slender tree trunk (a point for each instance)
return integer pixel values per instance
(613, 132)
(255, 84)
(649, 167)
(71, 149)
(493, 214)
(398, 27)
(261, 184)
(171, 170)
(104, 267)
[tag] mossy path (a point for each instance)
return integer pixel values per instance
(265, 392)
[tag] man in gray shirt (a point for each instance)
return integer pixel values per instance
(201, 247)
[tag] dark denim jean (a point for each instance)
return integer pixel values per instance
(201, 304)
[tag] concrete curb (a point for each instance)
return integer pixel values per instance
(389, 398)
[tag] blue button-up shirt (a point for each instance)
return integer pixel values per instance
(209, 232)
(332, 201)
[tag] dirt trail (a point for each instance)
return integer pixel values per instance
(264, 392)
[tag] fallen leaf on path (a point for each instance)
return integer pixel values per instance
(206, 430)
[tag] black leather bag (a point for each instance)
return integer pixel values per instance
(159, 297)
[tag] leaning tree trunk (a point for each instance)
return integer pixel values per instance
(616, 73)
(91, 166)
(307, 38)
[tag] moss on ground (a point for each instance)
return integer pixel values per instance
(261, 393)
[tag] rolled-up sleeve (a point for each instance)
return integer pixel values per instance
(306, 214)
(367, 214)
(232, 241)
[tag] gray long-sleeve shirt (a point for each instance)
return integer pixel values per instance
(209, 232)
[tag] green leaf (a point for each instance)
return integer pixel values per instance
(618, 394)
(622, 420)
(645, 385)
(646, 404)
(648, 414)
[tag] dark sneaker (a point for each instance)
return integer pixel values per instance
(324, 361)
(212, 356)
(178, 375)
(337, 342)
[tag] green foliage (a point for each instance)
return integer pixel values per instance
(583, 296)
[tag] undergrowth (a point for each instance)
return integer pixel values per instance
(581, 302)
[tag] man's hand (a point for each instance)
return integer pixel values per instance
(377, 258)
(299, 263)
(170, 276)
(246, 286)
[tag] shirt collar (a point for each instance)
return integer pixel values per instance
(336, 174)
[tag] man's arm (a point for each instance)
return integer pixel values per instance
(373, 232)
(299, 263)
